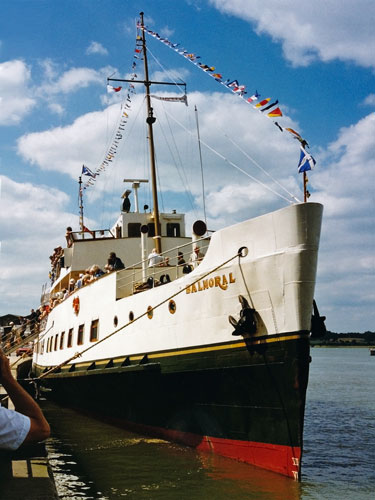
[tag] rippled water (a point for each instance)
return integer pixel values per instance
(94, 460)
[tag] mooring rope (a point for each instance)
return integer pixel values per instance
(79, 354)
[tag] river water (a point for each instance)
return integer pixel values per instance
(94, 460)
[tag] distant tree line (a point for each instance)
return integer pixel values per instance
(351, 338)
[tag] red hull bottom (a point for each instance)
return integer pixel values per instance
(281, 459)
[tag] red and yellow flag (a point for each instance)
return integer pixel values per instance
(262, 103)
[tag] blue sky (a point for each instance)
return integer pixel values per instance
(317, 58)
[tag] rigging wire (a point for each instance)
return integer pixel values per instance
(233, 164)
(262, 169)
(168, 73)
(180, 170)
(185, 180)
(237, 146)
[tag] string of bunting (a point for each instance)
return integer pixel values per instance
(117, 137)
(271, 108)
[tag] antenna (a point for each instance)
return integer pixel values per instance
(200, 158)
(80, 205)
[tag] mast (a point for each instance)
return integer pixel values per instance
(306, 194)
(150, 121)
(80, 205)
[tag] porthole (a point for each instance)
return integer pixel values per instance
(115, 321)
(131, 316)
(150, 312)
(172, 306)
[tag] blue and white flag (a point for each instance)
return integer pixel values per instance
(87, 171)
(306, 161)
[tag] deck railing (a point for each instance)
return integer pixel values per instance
(140, 276)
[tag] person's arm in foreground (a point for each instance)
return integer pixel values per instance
(24, 403)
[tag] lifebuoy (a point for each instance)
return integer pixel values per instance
(76, 304)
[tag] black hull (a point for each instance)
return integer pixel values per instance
(245, 399)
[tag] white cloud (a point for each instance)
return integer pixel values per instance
(16, 100)
(50, 69)
(342, 179)
(175, 75)
(370, 100)
(96, 48)
(166, 31)
(346, 271)
(63, 149)
(75, 79)
(57, 108)
(32, 223)
(338, 29)
(58, 84)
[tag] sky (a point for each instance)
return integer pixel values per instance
(316, 58)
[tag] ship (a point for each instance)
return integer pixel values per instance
(211, 351)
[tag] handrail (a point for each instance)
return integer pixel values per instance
(155, 271)
(178, 247)
(14, 339)
(162, 302)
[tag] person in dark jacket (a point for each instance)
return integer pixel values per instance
(114, 263)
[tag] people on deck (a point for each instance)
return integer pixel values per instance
(196, 257)
(180, 259)
(126, 203)
(79, 281)
(114, 263)
(154, 258)
(71, 286)
(96, 271)
(69, 237)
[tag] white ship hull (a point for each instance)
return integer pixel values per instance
(194, 339)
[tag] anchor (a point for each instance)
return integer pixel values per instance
(318, 328)
(247, 322)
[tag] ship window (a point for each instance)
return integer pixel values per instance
(56, 338)
(172, 306)
(134, 229)
(62, 340)
(70, 338)
(49, 344)
(151, 229)
(42, 347)
(131, 316)
(94, 330)
(150, 312)
(115, 321)
(173, 229)
(81, 330)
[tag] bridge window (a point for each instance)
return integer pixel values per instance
(173, 229)
(134, 229)
(151, 229)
